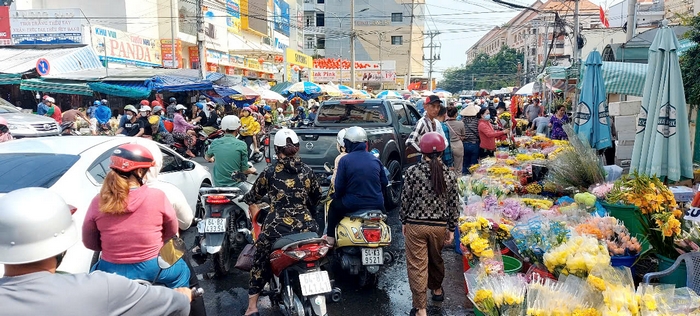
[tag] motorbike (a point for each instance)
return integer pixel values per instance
(68, 129)
(208, 139)
(170, 253)
(225, 226)
(299, 286)
(361, 239)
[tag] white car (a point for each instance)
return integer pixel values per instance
(75, 167)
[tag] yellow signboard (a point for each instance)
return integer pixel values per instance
(295, 58)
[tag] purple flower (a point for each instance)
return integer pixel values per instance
(513, 209)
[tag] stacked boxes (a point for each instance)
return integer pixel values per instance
(625, 115)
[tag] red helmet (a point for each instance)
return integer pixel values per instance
(155, 103)
(145, 102)
(129, 157)
(432, 142)
(254, 108)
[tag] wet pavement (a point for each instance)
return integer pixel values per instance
(391, 296)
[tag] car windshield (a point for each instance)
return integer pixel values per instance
(352, 113)
(18, 170)
(4, 109)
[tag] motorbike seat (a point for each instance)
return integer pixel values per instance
(363, 213)
(286, 240)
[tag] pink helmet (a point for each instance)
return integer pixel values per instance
(3, 121)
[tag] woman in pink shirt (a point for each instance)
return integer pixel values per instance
(487, 135)
(129, 222)
(183, 131)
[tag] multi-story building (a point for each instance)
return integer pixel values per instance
(676, 9)
(649, 13)
(314, 23)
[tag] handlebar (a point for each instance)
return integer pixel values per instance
(197, 292)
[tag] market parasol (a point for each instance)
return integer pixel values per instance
(388, 94)
(305, 87)
(364, 93)
(591, 120)
(526, 89)
(662, 145)
(331, 90)
(345, 89)
(271, 95)
(245, 91)
(443, 94)
(427, 93)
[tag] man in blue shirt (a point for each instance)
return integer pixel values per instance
(43, 107)
(359, 181)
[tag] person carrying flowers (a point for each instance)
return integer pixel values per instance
(429, 213)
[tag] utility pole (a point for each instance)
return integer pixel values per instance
(432, 59)
(577, 32)
(631, 18)
(172, 34)
(381, 62)
(200, 41)
(352, 44)
(410, 46)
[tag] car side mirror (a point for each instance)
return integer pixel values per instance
(188, 165)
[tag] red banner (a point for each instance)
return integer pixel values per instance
(5, 34)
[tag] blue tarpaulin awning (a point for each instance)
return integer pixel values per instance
(177, 84)
(135, 90)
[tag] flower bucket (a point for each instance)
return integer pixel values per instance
(477, 312)
(624, 261)
(457, 242)
(631, 216)
(511, 265)
(679, 277)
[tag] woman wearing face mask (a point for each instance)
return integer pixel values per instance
(4, 131)
(487, 135)
(183, 131)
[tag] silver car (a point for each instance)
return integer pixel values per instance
(26, 124)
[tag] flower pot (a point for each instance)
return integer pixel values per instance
(679, 277)
(636, 222)
(624, 261)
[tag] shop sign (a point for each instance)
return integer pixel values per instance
(166, 49)
(252, 64)
(336, 63)
(361, 76)
(372, 22)
(46, 27)
(125, 48)
(281, 17)
(299, 59)
(300, 27)
(233, 11)
(193, 54)
(238, 61)
(5, 28)
(281, 43)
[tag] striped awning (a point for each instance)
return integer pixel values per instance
(64, 87)
(61, 60)
(10, 78)
(623, 78)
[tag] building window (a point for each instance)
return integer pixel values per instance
(559, 45)
(321, 1)
(533, 51)
(309, 44)
(397, 40)
(309, 19)
(321, 43)
(320, 19)
(397, 17)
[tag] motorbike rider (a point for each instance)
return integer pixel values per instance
(171, 108)
(294, 193)
(340, 145)
(198, 114)
(129, 221)
(131, 125)
(160, 133)
(359, 181)
(102, 116)
(210, 125)
(268, 118)
(183, 131)
(39, 224)
(250, 128)
(144, 113)
(300, 117)
(5, 131)
(228, 153)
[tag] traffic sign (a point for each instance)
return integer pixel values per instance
(43, 67)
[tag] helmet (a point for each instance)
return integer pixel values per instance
(145, 108)
(180, 107)
(3, 121)
(280, 110)
(230, 123)
(201, 98)
(50, 99)
(254, 108)
(172, 100)
(432, 142)
(200, 105)
(36, 224)
(129, 157)
(154, 119)
(144, 102)
(341, 136)
(212, 104)
(282, 135)
(104, 101)
(96, 103)
(247, 108)
(267, 108)
(300, 109)
(157, 108)
(155, 103)
(356, 134)
(130, 108)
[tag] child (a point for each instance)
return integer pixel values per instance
(249, 128)
(340, 145)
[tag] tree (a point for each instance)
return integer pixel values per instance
(690, 68)
(484, 72)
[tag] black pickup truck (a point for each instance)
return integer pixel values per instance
(388, 124)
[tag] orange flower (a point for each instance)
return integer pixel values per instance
(677, 213)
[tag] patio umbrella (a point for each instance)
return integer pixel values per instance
(591, 121)
(345, 89)
(427, 93)
(365, 93)
(245, 91)
(443, 94)
(271, 95)
(388, 94)
(662, 144)
(331, 90)
(305, 87)
(526, 89)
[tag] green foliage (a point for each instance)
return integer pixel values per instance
(484, 72)
(690, 68)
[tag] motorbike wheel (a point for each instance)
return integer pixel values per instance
(296, 307)
(222, 259)
(205, 148)
(393, 193)
(366, 279)
(199, 211)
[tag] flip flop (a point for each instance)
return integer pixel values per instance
(438, 298)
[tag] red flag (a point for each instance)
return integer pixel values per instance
(603, 17)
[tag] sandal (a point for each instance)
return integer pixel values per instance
(413, 312)
(438, 298)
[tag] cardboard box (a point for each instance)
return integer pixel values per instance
(624, 163)
(626, 123)
(626, 135)
(624, 108)
(623, 153)
(623, 143)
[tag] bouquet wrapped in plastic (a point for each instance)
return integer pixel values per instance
(480, 235)
(578, 256)
(665, 300)
(613, 233)
(568, 296)
(496, 294)
(537, 235)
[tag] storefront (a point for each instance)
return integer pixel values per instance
(370, 74)
(117, 49)
(298, 66)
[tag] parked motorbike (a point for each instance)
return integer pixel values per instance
(225, 227)
(361, 237)
(298, 285)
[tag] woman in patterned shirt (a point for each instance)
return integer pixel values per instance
(429, 212)
(294, 193)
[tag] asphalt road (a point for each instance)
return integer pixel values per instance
(392, 295)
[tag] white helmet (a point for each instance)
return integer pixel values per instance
(180, 107)
(282, 135)
(356, 134)
(280, 110)
(230, 123)
(145, 108)
(36, 224)
(341, 136)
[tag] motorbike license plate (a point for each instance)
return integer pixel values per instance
(215, 225)
(372, 256)
(314, 283)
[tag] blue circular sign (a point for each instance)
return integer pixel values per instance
(43, 67)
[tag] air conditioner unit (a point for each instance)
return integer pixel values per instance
(267, 40)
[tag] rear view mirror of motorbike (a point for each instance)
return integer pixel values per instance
(328, 167)
(172, 251)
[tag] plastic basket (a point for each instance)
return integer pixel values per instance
(624, 261)
(631, 216)
(679, 277)
(477, 312)
(511, 265)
